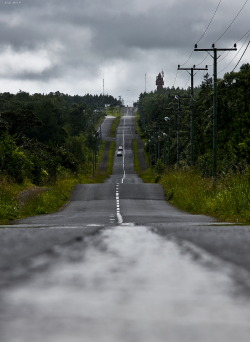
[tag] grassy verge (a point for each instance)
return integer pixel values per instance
(114, 126)
(113, 111)
(20, 201)
(227, 199)
(8, 200)
(148, 176)
(49, 200)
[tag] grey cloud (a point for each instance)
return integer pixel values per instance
(43, 76)
(84, 36)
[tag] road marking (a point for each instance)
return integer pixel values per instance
(112, 218)
(94, 225)
(118, 213)
(124, 151)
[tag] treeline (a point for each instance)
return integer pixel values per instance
(46, 136)
(173, 138)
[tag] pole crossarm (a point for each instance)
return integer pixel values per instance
(212, 49)
(193, 68)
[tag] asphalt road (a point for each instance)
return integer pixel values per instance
(119, 263)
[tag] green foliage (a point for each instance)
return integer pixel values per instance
(191, 187)
(114, 126)
(227, 199)
(50, 200)
(14, 162)
(44, 137)
(8, 201)
(165, 123)
(149, 175)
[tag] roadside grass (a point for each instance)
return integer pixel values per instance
(114, 126)
(114, 111)
(20, 201)
(8, 200)
(49, 200)
(149, 175)
(227, 199)
(137, 166)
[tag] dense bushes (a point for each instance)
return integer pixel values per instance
(165, 120)
(43, 137)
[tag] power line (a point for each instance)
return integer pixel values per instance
(248, 31)
(202, 60)
(232, 21)
(191, 54)
(241, 56)
(227, 53)
(210, 22)
(175, 77)
(234, 56)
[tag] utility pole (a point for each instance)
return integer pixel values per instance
(215, 97)
(192, 107)
(178, 98)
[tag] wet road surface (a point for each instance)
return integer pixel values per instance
(126, 284)
(121, 264)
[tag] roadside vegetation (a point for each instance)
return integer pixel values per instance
(227, 199)
(49, 143)
(114, 126)
(184, 166)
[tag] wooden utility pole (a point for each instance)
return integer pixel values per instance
(192, 108)
(215, 97)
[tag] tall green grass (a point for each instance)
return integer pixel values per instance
(49, 200)
(227, 198)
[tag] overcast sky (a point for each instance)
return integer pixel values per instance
(72, 45)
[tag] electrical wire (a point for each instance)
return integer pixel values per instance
(232, 21)
(228, 27)
(248, 31)
(210, 22)
(236, 55)
(241, 56)
(202, 60)
(188, 58)
(175, 77)
(202, 76)
(185, 86)
(227, 53)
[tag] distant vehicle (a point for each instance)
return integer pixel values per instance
(119, 154)
(120, 148)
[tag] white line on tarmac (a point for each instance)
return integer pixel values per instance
(118, 213)
(123, 157)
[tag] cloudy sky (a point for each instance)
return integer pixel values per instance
(71, 46)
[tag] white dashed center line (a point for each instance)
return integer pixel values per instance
(118, 213)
